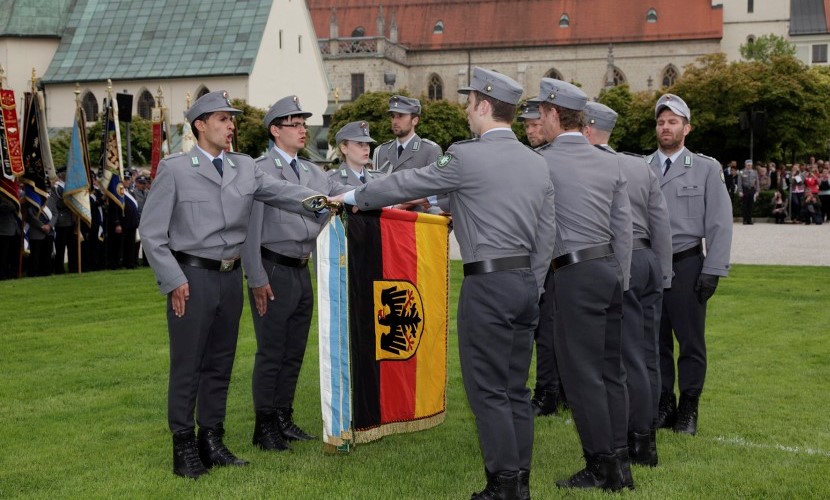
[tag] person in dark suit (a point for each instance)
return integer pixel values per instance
(193, 226)
(63, 220)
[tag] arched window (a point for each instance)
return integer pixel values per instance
(619, 77)
(145, 105)
(670, 75)
(358, 32)
(90, 105)
(564, 20)
(750, 39)
(439, 27)
(554, 73)
(202, 91)
(651, 16)
(435, 87)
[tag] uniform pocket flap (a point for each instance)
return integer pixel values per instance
(690, 191)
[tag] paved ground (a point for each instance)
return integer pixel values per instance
(764, 243)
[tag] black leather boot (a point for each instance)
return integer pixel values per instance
(624, 464)
(602, 471)
(267, 434)
(290, 430)
(213, 451)
(686, 422)
(545, 402)
(501, 486)
(667, 411)
(524, 484)
(652, 444)
(641, 450)
(186, 462)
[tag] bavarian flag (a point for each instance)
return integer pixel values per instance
(397, 315)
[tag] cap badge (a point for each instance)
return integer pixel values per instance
(363, 127)
(488, 88)
(552, 96)
(225, 96)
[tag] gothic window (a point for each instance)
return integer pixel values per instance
(202, 91)
(619, 77)
(439, 27)
(358, 32)
(554, 73)
(145, 105)
(358, 85)
(750, 39)
(435, 87)
(651, 16)
(90, 105)
(670, 75)
(564, 20)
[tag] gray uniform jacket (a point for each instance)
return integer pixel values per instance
(62, 215)
(192, 209)
(592, 206)
(748, 179)
(699, 207)
(418, 153)
(500, 194)
(345, 175)
(649, 216)
(278, 230)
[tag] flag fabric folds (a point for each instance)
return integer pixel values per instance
(398, 292)
(76, 190)
(112, 164)
(12, 157)
(35, 150)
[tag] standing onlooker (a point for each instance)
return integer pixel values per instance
(63, 220)
(41, 240)
(796, 192)
(773, 176)
(763, 178)
(748, 187)
(699, 211)
(824, 192)
(129, 224)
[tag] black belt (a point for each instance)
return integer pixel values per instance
(639, 243)
(224, 265)
(695, 250)
(282, 259)
(589, 253)
(493, 265)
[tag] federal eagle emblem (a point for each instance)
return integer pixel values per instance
(399, 322)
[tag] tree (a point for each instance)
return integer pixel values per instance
(765, 47)
(634, 131)
(251, 135)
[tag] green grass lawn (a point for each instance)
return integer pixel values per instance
(83, 383)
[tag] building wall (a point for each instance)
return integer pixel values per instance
(804, 47)
(292, 67)
(19, 55)
(768, 17)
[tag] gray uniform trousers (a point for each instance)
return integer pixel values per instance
(282, 335)
(202, 348)
(497, 314)
(588, 314)
(547, 370)
(687, 317)
(642, 304)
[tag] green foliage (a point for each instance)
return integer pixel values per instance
(141, 142)
(441, 121)
(634, 131)
(85, 366)
(765, 47)
(251, 135)
(60, 146)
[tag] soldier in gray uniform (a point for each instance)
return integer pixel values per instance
(501, 198)
(748, 189)
(699, 207)
(548, 394)
(193, 226)
(63, 220)
(353, 149)
(592, 259)
(408, 150)
(275, 259)
(642, 302)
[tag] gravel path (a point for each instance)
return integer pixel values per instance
(765, 243)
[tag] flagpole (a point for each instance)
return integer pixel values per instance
(78, 219)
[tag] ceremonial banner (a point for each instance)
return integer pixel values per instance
(398, 308)
(10, 131)
(9, 187)
(112, 169)
(34, 175)
(76, 190)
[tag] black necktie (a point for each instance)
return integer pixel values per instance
(668, 166)
(400, 150)
(294, 167)
(363, 178)
(217, 162)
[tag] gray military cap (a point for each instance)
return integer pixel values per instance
(353, 131)
(600, 116)
(530, 110)
(403, 104)
(287, 106)
(677, 106)
(211, 103)
(495, 85)
(564, 94)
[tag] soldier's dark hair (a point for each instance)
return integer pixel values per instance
(204, 117)
(569, 119)
(502, 111)
(279, 121)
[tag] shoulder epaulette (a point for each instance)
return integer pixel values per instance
(649, 158)
(474, 139)
(603, 149)
(238, 153)
(532, 149)
(429, 142)
(707, 157)
(628, 153)
(174, 155)
(373, 171)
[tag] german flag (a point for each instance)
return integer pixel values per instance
(398, 316)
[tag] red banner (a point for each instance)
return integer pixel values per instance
(12, 132)
(156, 155)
